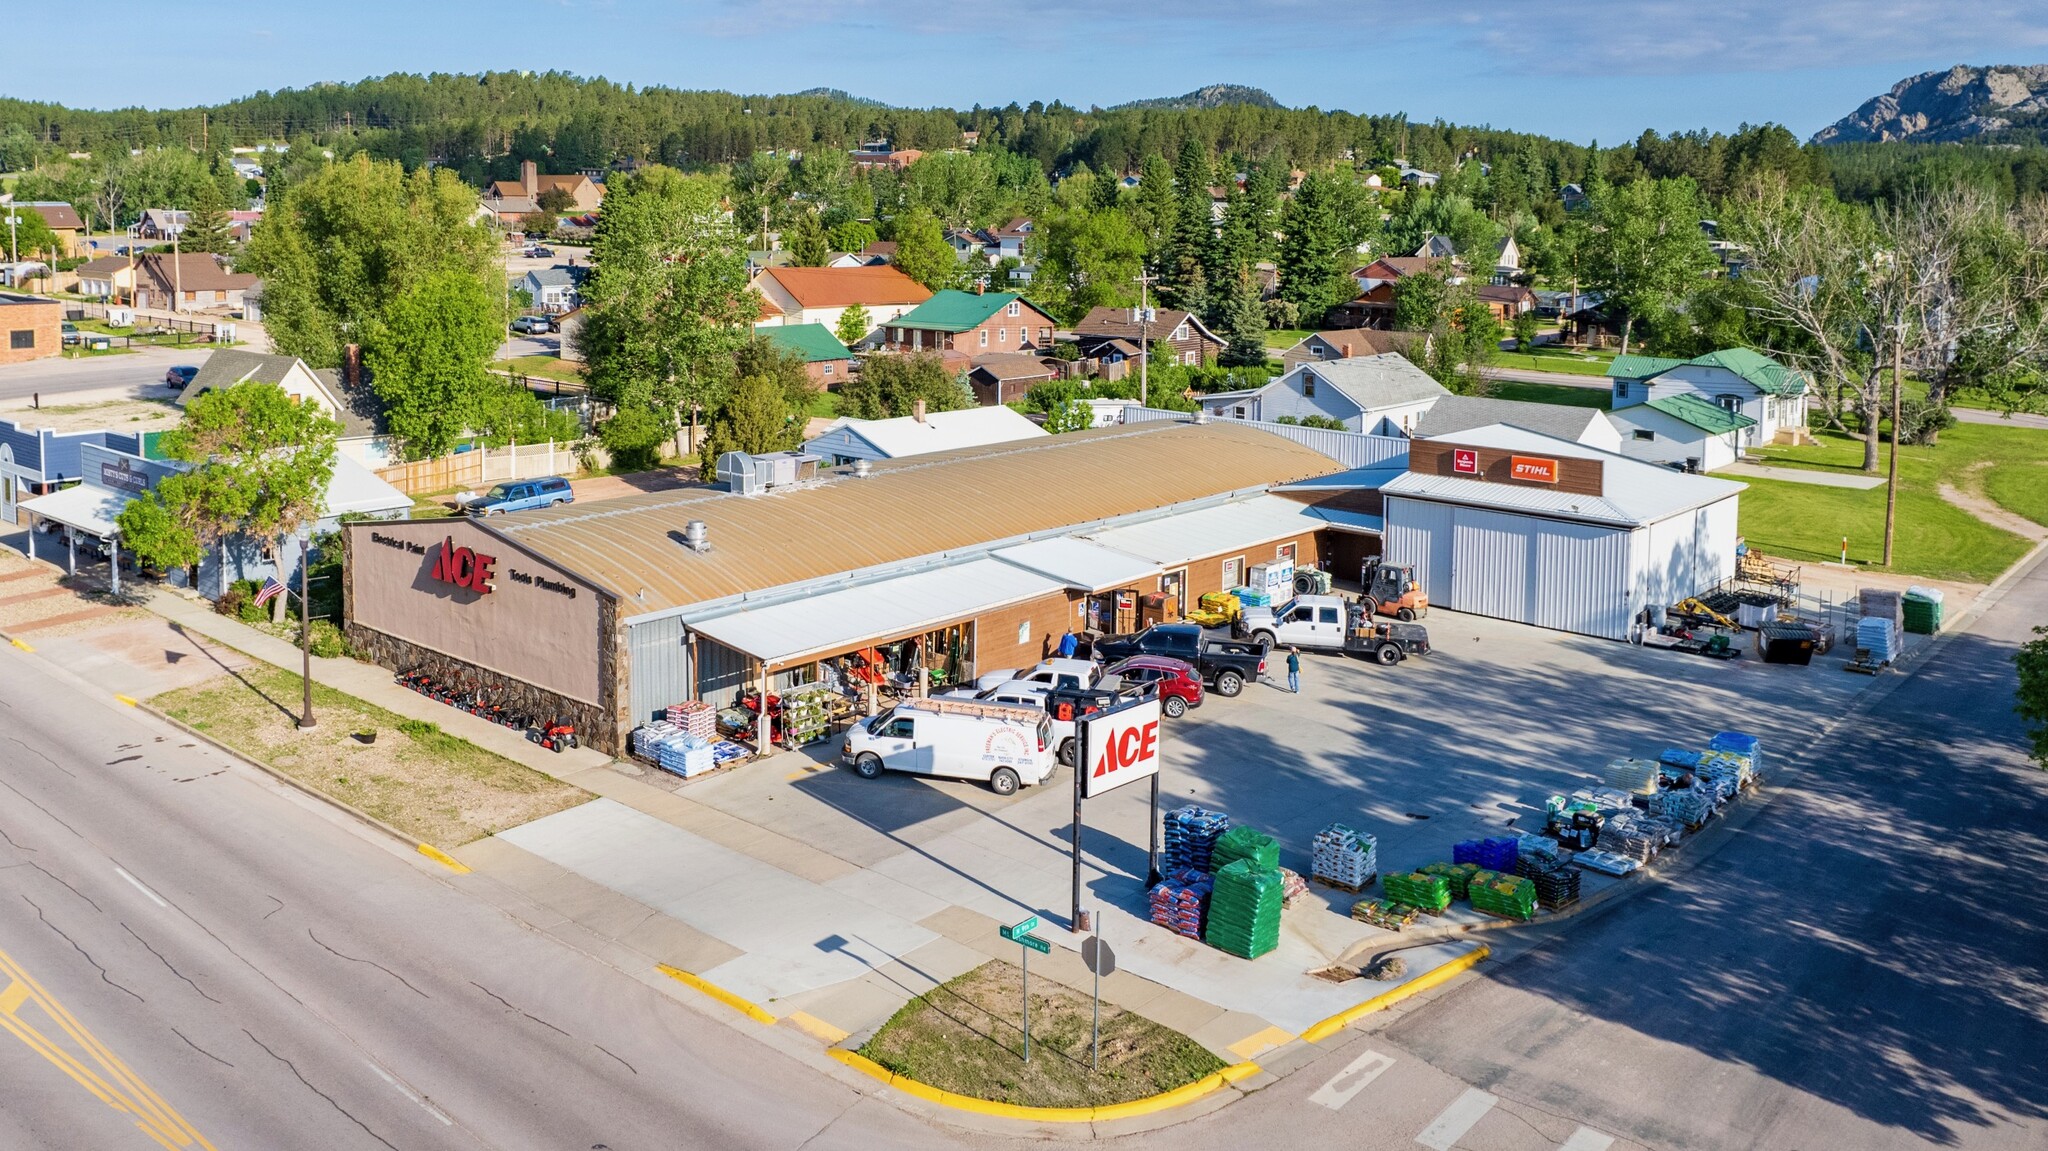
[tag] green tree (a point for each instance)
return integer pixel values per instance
(1072, 415)
(805, 239)
(1086, 259)
(889, 386)
(32, 235)
(922, 252)
(851, 236)
(1313, 266)
(755, 418)
(207, 227)
(1244, 322)
(788, 371)
(1644, 249)
(1525, 330)
(427, 358)
(2032, 661)
(1419, 301)
(853, 326)
(511, 414)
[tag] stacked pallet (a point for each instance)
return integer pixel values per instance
(1634, 776)
(1244, 910)
(1508, 896)
(1247, 843)
(1491, 854)
(685, 755)
(1556, 886)
(695, 717)
(648, 736)
(1457, 876)
(1688, 805)
(1190, 837)
(1343, 858)
(1743, 745)
(1424, 892)
(1180, 902)
(1383, 913)
(1880, 639)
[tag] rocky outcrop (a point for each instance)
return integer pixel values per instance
(1958, 104)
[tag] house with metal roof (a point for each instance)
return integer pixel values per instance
(1453, 414)
(921, 434)
(822, 295)
(1682, 430)
(1741, 380)
(1381, 395)
(972, 323)
(825, 357)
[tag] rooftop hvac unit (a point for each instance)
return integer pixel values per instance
(751, 475)
(741, 474)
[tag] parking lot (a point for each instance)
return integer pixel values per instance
(1468, 741)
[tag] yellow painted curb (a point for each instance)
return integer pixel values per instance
(20, 645)
(742, 1006)
(1415, 986)
(444, 859)
(817, 1028)
(1165, 1100)
(129, 700)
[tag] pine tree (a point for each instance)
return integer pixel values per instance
(1312, 274)
(1244, 321)
(807, 243)
(207, 225)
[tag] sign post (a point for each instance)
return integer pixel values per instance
(1020, 934)
(1115, 746)
(1095, 952)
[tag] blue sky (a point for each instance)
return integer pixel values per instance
(1582, 69)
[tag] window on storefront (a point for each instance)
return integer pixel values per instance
(1284, 552)
(21, 338)
(1233, 573)
(1172, 582)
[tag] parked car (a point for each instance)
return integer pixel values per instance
(522, 496)
(1226, 665)
(542, 253)
(1051, 673)
(1007, 747)
(181, 375)
(68, 334)
(533, 325)
(1179, 684)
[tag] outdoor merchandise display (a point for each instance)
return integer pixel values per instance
(807, 715)
(1690, 805)
(1880, 638)
(694, 716)
(1635, 776)
(685, 755)
(1557, 885)
(1431, 893)
(1606, 862)
(1742, 745)
(1922, 610)
(1190, 835)
(1384, 913)
(1343, 858)
(1180, 902)
(1491, 854)
(1292, 886)
(1244, 910)
(1508, 896)
(1458, 876)
(1245, 842)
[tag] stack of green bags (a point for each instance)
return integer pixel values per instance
(1424, 892)
(1249, 843)
(1506, 895)
(1458, 875)
(1244, 909)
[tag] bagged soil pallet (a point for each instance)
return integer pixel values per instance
(1244, 910)
(1343, 858)
(1420, 890)
(1556, 887)
(1245, 842)
(1491, 854)
(1458, 876)
(1508, 896)
(1190, 837)
(1635, 776)
(1383, 913)
(1180, 902)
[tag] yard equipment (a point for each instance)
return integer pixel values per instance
(1217, 609)
(1693, 610)
(557, 735)
(1390, 589)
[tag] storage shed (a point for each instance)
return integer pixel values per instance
(1526, 527)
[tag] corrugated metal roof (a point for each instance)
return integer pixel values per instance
(903, 436)
(884, 609)
(1351, 521)
(1079, 564)
(1635, 493)
(1710, 418)
(1173, 540)
(1453, 414)
(82, 506)
(1355, 479)
(907, 509)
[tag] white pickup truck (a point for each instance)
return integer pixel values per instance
(1309, 621)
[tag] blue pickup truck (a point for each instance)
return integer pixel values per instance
(522, 496)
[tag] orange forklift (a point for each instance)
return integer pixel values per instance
(1390, 589)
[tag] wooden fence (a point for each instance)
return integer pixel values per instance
(479, 469)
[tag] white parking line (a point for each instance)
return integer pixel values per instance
(1586, 1139)
(153, 896)
(1347, 1083)
(1458, 1118)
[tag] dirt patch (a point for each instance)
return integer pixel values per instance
(421, 780)
(1969, 496)
(124, 416)
(591, 488)
(967, 1037)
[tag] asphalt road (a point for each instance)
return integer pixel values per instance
(58, 378)
(1861, 968)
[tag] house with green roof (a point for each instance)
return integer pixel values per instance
(1682, 430)
(823, 354)
(971, 324)
(1741, 381)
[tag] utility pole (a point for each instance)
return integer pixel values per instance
(306, 720)
(177, 265)
(1891, 484)
(1144, 318)
(13, 246)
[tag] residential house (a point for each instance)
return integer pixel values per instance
(827, 360)
(1383, 395)
(520, 196)
(1573, 197)
(883, 157)
(967, 244)
(1344, 343)
(364, 437)
(822, 295)
(1506, 301)
(971, 323)
(920, 434)
(1004, 377)
(758, 262)
(1556, 304)
(1451, 415)
(553, 290)
(1682, 430)
(854, 260)
(246, 168)
(108, 277)
(1391, 270)
(1192, 342)
(1007, 242)
(159, 224)
(1417, 178)
(186, 282)
(33, 326)
(1373, 308)
(1739, 380)
(1507, 260)
(1437, 247)
(64, 220)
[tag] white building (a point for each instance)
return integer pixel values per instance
(1453, 414)
(363, 438)
(1382, 395)
(847, 440)
(1770, 394)
(822, 295)
(1525, 527)
(553, 290)
(1684, 431)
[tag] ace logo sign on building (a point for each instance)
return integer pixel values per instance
(464, 567)
(1121, 747)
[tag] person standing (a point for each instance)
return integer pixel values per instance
(1294, 669)
(1069, 644)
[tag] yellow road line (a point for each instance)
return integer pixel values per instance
(444, 859)
(1415, 986)
(743, 1006)
(1260, 1043)
(21, 645)
(126, 1093)
(129, 700)
(818, 1027)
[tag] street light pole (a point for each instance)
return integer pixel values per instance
(306, 720)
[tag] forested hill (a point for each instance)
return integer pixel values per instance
(481, 126)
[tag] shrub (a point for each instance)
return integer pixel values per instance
(327, 640)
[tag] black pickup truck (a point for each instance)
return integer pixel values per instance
(1225, 665)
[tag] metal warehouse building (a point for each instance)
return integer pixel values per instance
(1509, 523)
(607, 612)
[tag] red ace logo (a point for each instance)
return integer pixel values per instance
(463, 567)
(1130, 747)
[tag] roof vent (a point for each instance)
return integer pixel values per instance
(862, 469)
(696, 536)
(1201, 415)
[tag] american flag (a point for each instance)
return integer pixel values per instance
(271, 590)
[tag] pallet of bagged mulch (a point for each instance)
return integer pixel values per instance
(1245, 842)
(1343, 858)
(1430, 894)
(1244, 910)
(1457, 875)
(1384, 913)
(1508, 896)
(1556, 886)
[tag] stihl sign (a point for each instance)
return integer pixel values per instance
(1533, 470)
(464, 567)
(1120, 747)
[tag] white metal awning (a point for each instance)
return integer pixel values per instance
(1171, 541)
(835, 621)
(1349, 521)
(82, 506)
(1079, 564)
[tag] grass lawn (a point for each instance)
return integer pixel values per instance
(421, 780)
(1281, 339)
(1935, 538)
(1550, 394)
(1556, 360)
(546, 367)
(824, 405)
(965, 1037)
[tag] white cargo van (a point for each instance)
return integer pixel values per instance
(1004, 745)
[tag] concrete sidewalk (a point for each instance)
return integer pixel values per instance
(1743, 470)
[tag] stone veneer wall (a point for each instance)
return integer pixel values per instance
(594, 726)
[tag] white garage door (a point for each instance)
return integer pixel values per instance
(1419, 534)
(1491, 573)
(1584, 585)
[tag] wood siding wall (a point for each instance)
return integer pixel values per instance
(1434, 457)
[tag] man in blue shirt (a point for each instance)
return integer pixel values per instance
(1069, 644)
(1294, 669)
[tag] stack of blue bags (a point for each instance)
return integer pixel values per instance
(1491, 854)
(1191, 833)
(1741, 744)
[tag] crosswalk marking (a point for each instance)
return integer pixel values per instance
(1349, 1082)
(1458, 1118)
(1587, 1139)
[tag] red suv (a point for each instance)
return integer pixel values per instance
(1180, 685)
